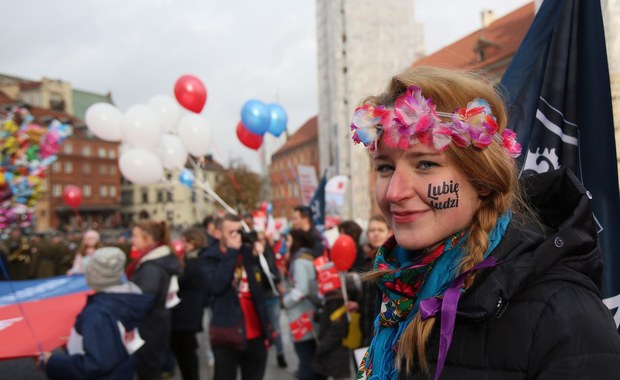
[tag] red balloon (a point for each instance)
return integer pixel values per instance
(178, 247)
(247, 138)
(72, 195)
(190, 93)
(344, 252)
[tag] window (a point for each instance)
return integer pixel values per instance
(160, 196)
(103, 191)
(67, 148)
(56, 190)
(112, 191)
(68, 167)
(86, 151)
(56, 167)
(102, 169)
(86, 168)
(101, 152)
(170, 198)
(112, 153)
(87, 191)
(145, 196)
(112, 170)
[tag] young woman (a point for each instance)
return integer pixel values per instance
(154, 270)
(473, 285)
(90, 242)
(299, 301)
(187, 316)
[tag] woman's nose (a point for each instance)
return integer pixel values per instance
(400, 187)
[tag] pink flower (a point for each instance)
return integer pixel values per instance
(511, 144)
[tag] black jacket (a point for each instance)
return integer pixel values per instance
(153, 277)
(218, 271)
(187, 315)
(538, 313)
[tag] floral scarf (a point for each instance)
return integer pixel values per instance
(410, 279)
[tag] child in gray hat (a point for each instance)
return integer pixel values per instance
(105, 334)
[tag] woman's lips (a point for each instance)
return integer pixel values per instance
(407, 216)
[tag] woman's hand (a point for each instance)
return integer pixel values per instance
(41, 360)
(351, 306)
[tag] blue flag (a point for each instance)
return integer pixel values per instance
(317, 204)
(559, 102)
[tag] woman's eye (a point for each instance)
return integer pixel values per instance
(426, 165)
(384, 168)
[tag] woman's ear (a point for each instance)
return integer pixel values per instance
(484, 192)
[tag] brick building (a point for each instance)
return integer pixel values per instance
(302, 148)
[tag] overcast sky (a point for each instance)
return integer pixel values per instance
(240, 49)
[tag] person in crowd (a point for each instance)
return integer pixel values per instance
(352, 229)
(333, 357)
(50, 253)
(4, 261)
(302, 220)
(104, 338)
(474, 283)
(155, 270)
(90, 242)
(239, 331)
(208, 224)
(377, 233)
(301, 301)
(187, 315)
(273, 291)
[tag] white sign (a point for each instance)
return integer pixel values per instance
(308, 182)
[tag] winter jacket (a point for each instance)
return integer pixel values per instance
(104, 353)
(537, 314)
(218, 272)
(298, 300)
(187, 315)
(153, 275)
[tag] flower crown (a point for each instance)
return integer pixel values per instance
(414, 118)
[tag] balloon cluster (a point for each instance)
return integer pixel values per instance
(155, 136)
(27, 149)
(257, 119)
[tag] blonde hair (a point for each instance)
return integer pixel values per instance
(491, 171)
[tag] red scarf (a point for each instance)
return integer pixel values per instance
(132, 266)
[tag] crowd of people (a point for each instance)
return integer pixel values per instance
(468, 273)
(246, 281)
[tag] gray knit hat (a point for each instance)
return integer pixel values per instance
(105, 268)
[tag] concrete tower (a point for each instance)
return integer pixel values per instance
(361, 45)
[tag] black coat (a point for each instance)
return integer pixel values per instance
(218, 271)
(187, 315)
(153, 277)
(538, 313)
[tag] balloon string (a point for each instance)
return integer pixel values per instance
(78, 218)
(207, 189)
(21, 308)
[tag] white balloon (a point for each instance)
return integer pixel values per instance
(140, 166)
(168, 111)
(195, 134)
(105, 121)
(141, 127)
(172, 152)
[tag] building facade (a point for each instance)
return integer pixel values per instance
(361, 44)
(171, 201)
(302, 148)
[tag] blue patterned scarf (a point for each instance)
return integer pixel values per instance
(410, 279)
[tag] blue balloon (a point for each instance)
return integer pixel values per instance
(186, 177)
(269, 208)
(255, 116)
(278, 119)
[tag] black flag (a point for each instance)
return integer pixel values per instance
(559, 102)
